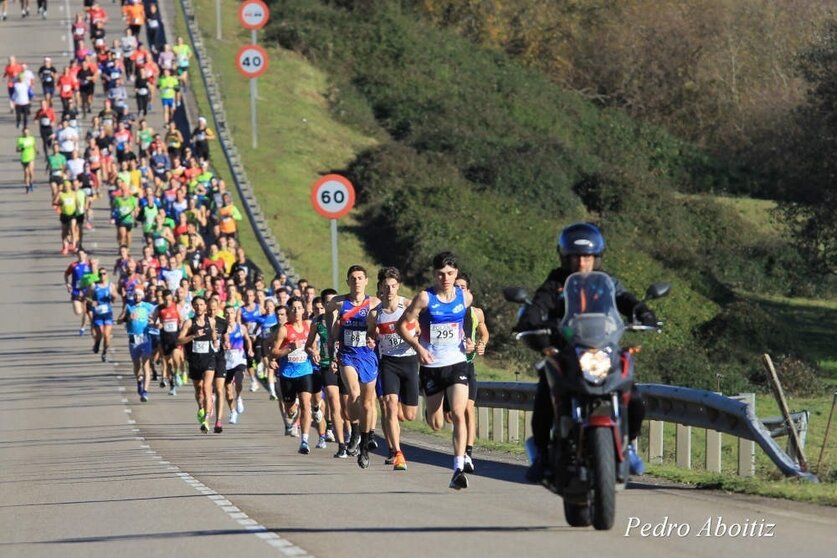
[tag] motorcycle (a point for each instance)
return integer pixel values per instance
(590, 379)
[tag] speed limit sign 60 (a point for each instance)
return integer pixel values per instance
(333, 196)
(252, 61)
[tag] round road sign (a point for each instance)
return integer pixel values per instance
(333, 196)
(253, 14)
(252, 61)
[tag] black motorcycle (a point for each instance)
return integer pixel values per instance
(590, 378)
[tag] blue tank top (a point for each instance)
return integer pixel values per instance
(79, 271)
(104, 300)
(236, 338)
(267, 321)
(442, 329)
(250, 318)
(353, 328)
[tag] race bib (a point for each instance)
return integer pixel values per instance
(102, 309)
(142, 91)
(200, 347)
(390, 340)
(160, 242)
(297, 356)
(125, 210)
(251, 327)
(153, 23)
(354, 338)
(45, 121)
(153, 331)
(170, 326)
(445, 335)
(137, 339)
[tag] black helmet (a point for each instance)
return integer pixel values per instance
(581, 239)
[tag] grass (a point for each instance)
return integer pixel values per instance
(299, 140)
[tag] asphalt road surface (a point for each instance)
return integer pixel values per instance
(87, 470)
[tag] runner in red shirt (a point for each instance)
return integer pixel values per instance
(11, 72)
(46, 121)
(67, 87)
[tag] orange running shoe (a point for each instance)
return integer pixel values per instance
(399, 463)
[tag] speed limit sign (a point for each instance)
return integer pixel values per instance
(252, 61)
(253, 14)
(333, 196)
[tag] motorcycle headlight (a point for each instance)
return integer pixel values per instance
(595, 364)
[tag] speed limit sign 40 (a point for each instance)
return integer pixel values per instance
(252, 61)
(333, 196)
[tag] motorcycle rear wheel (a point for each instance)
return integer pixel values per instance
(577, 515)
(604, 478)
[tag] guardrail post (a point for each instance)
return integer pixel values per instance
(497, 430)
(482, 422)
(514, 426)
(684, 446)
(655, 442)
(747, 448)
(713, 451)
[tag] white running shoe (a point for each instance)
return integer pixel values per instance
(239, 405)
(317, 415)
(254, 386)
(233, 417)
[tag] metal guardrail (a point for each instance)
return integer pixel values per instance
(246, 196)
(683, 406)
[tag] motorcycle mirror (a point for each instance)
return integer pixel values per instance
(657, 290)
(516, 294)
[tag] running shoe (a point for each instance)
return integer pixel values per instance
(104, 357)
(96, 346)
(218, 428)
(204, 426)
(363, 460)
(139, 387)
(354, 442)
(635, 461)
(295, 430)
(201, 415)
(469, 464)
(459, 480)
(303, 448)
(372, 444)
(273, 397)
(254, 386)
(321, 444)
(233, 417)
(80, 331)
(317, 416)
(398, 462)
(239, 405)
(330, 435)
(162, 383)
(341, 452)
(144, 396)
(173, 390)
(391, 459)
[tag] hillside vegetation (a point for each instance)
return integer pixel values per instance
(481, 155)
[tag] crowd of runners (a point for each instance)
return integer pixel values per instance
(195, 307)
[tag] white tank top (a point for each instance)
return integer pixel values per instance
(390, 343)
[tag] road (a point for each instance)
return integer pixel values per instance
(87, 470)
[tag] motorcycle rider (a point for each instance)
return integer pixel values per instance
(580, 246)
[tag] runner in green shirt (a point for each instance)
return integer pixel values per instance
(125, 210)
(28, 149)
(184, 54)
(169, 87)
(56, 163)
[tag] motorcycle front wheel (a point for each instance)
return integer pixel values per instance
(577, 515)
(604, 477)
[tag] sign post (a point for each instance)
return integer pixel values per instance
(253, 15)
(333, 196)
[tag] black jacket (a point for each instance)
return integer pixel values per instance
(547, 308)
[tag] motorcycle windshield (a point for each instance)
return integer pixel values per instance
(590, 316)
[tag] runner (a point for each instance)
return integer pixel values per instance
(198, 335)
(238, 347)
(184, 56)
(137, 316)
(219, 350)
(444, 373)
(22, 96)
(101, 296)
(475, 330)
(295, 368)
(317, 345)
(250, 318)
(125, 211)
(72, 279)
(46, 122)
(398, 367)
(66, 202)
(27, 146)
(356, 358)
(170, 322)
